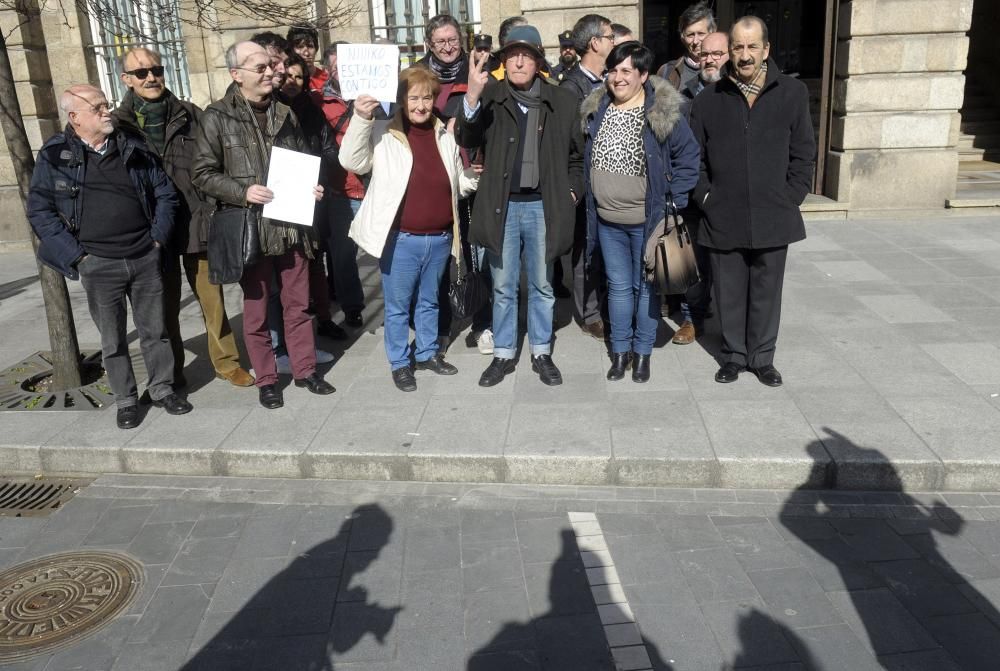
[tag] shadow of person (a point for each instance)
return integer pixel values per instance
(310, 613)
(766, 643)
(906, 579)
(569, 635)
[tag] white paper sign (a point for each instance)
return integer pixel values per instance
(292, 176)
(368, 68)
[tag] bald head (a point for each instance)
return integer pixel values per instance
(251, 68)
(80, 96)
(88, 113)
(237, 54)
(138, 57)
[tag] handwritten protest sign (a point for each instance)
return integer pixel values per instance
(368, 68)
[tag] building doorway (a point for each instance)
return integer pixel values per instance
(802, 36)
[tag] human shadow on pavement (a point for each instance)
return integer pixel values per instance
(904, 583)
(310, 613)
(568, 637)
(766, 643)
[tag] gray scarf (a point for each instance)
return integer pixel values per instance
(532, 99)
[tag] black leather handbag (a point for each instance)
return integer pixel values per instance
(233, 242)
(470, 291)
(676, 268)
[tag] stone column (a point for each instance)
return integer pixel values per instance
(896, 98)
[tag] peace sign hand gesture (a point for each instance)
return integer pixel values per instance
(478, 76)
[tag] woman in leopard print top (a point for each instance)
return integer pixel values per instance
(639, 155)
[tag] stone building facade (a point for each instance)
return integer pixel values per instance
(890, 88)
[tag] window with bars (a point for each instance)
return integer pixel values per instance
(120, 25)
(402, 22)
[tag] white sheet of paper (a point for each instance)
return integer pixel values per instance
(292, 176)
(368, 68)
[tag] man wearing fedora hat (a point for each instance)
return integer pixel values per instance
(532, 179)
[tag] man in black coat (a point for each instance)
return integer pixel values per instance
(532, 179)
(758, 154)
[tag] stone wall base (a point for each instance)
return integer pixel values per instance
(903, 179)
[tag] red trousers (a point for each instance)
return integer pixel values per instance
(292, 271)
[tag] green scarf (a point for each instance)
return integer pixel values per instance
(151, 115)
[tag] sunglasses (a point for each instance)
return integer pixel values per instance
(142, 73)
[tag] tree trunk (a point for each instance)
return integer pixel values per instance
(58, 311)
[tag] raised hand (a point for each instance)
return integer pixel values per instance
(477, 77)
(365, 106)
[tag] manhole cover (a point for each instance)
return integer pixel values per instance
(59, 599)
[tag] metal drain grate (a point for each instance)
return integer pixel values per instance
(37, 498)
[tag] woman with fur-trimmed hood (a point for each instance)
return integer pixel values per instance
(640, 154)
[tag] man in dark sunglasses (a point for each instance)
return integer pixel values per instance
(168, 126)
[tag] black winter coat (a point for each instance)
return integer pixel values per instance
(495, 128)
(193, 213)
(756, 163)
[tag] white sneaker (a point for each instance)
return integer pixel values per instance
(485, 342)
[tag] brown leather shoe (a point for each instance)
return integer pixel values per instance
(685, 335)
(237, 377)
(594, 329)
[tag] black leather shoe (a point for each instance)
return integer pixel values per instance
(270, 396)
(404, 380)
(330, 330)
(174, 405)
(728, 373)
(496, 371)
(353, 319)
(546, 369)
(316, 385)
(437, 364)
(128, 418)
(619, 364)
(640, 368)
(768, 375)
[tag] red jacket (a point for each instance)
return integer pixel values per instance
(342, 182)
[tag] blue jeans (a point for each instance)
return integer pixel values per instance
(412, 264)
(631, 299)
(342, 253)
(524, 231)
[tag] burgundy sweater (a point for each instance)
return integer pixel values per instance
(426, 206)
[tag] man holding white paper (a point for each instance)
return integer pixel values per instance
(231, 165)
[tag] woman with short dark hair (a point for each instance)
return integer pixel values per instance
(639, 156)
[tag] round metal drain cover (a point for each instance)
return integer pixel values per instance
(59, 599)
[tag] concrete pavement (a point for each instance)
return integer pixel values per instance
(888, 347)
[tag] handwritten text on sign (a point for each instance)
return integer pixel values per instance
(368, 68)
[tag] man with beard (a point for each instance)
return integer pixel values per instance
(231, 163)
(168, 126)
(695, 304)
(277, 48)
(567, 56)
(758, 154)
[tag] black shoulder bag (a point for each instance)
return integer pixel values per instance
(470, 291)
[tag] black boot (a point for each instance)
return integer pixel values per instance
(619, 364)
(640, 368)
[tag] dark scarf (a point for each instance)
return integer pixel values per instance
(446, 72)
(532, 99)
(152, 115)
(751, 90)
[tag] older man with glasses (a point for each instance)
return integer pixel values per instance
(103, 210)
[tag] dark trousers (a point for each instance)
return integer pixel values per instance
(291, 271)
(109, 283)
(746, 286)
(588, 283)
(342, 253)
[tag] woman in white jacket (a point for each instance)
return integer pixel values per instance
(409, 217)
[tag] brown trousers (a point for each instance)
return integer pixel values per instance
(221, 341)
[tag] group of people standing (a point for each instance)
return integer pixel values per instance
(488, 157)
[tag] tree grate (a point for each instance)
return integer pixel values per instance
(37, 498)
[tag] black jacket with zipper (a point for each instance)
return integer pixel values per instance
(495, 128)
(193, 212)
(756, 163)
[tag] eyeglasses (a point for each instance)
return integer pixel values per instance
(714, 55)
(99, 109)
(259, 69)
(450, 42)
(142, 73)
(607, 37)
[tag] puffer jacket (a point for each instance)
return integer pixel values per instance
(57, 196)
(230, 159)
(672, 155)
(193, 212)
(381, 148)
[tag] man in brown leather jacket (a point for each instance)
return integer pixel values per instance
(234, 145)
(168, 125)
